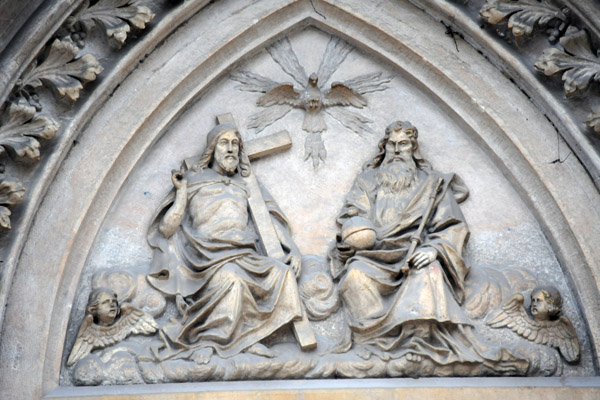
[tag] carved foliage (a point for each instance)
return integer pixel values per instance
(20, 129)
(593, 121)
(61, 71)
(11, 193)
(579, 64)
(524, 15)
(114, 16)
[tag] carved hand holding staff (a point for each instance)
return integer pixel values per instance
(546, 327)
(106, 323)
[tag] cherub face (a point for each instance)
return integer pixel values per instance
(107, 309)
(540, 309)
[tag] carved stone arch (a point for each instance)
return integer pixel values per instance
(86, 182)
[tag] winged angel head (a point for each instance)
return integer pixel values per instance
(310, 94)
(107, 323)
(545, 325)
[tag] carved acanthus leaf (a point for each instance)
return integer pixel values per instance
(19, 130)
(593, 121)
(579, 62)
(11, 193)
(115, 17)
(61, 72)
(523, 15)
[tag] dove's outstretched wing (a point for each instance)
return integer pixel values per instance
(342, 95)
(335, 54)
(284, 55)
(368, 83)
(559, 333)
(92, 336)
(251, 82)
(282, 94)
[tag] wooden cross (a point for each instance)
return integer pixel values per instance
(260, 214)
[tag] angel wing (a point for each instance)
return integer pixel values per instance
(282, 94)
(92, 336)
(341, 95)
(84, 342)
(282, 53)
(251, 82)
(335, 54)
(368, 83)
(559, 333)
(135, 321)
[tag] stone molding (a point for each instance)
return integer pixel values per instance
(552, 204)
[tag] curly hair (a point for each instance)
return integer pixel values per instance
(94, 302)
(212, 138)
(552, 297)
(411, 132)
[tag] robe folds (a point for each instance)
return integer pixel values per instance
(235, 296)
(419, 312)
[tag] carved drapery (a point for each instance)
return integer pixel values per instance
(41, 124)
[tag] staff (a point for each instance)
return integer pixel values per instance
(416, 237)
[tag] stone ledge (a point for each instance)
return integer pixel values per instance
(401, 388)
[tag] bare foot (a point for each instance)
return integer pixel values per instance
(413, 357)
(202, 356)
(363, 353)
(261, 350)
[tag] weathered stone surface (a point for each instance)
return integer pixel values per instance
(91, 201)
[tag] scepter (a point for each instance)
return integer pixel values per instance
(415, 239)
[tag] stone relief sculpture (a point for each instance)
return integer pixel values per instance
(280, 98)
(229, 296)
(545, 325)
(400, 266)
(233, 296)
(107, 323)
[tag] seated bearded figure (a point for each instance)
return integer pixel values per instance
(399, 260)
(206, 255)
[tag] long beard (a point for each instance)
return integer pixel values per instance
(397, 176)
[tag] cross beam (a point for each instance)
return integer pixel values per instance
(260, 215)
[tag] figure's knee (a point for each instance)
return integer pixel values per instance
(353, 278)
(227, 274)
(433, 268)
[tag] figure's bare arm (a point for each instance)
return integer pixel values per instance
(174, 216)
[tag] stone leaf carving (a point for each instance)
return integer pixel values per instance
(593, 121)
(579, 64)
(524, 15)
(114, 16)
(11, 193)
(61, 71)
(20, 130)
